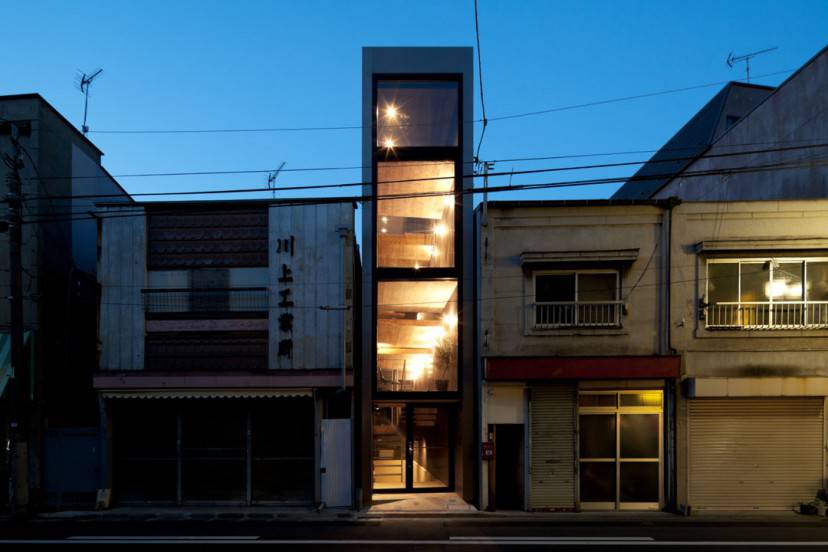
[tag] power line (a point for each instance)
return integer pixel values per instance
(437, 178)
(485, 121)
(496, 189)
(500, 118)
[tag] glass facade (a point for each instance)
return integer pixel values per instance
(415, 113)
(415, 221)
(417, 335)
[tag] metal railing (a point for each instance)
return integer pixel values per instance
(765, 315)
(158, 301)
(567, 314)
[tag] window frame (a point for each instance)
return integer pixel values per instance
(575, 272)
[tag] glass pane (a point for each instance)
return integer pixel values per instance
(430, 442)
(417, 336)
(644, 398)
(639, 481)
(597, 400)
(389, 447)
(755, 281)
(597, 481)
(597, 287)
(145, 451)
(554, 287)
(416, 114)
(283, 453)
(639, 436)
(816, 289)
(597, 435)
(722, 287)
(213, 447)
(415, 232)
(787, 289)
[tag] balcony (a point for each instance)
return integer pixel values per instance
(577, 314)
(767, 315)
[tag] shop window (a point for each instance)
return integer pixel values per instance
(415, 220)
(414, 113)
(766, 294)
(577, 298)
(417, 336)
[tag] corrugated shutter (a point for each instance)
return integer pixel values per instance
(755, 454)
(553, 447)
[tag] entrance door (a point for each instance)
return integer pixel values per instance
(412, 448)
(619, 449)
(508, 466)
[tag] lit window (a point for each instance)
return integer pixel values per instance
(417, 114)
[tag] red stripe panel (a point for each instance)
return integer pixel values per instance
(545, 368)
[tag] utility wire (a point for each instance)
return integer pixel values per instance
(495, 189)
(438, 178)
(480, 81)
(500, 118)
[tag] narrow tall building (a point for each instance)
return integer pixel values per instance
(418, 385)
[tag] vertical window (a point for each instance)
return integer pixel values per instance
(417, 114)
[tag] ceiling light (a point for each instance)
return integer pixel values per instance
(450, 320)
(441, 230)
(388, 143)
(391, 112)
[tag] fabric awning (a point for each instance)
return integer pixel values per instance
(207, 393)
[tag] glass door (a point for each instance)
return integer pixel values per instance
(620, 449)
(412, 448)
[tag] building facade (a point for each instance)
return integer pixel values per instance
(749, 301)
(226, 352)
(417, 381)
(578, 380)
(57, 413)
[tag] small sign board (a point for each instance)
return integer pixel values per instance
(487, 451)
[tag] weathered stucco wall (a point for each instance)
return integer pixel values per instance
(506, 293)
(752, 229)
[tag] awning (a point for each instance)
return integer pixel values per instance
(603, 256)
(581, 368)
(5, 358)
(206, 394)
(790, 386)
(775, 245)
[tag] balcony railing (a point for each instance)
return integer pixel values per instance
(169, 301)
(583, 314)
(776, 315)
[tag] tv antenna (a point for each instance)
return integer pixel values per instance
(271, 178)
(731, 60)
(83, 83)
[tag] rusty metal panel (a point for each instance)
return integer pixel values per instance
(225, 236)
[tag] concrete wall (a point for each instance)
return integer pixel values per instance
(506, 289)
(795, 115)
(778, 227)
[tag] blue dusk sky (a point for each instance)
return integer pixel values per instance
(251, 64)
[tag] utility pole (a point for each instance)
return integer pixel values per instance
(15, 391)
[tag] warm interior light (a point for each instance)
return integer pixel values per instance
(391, 112)
(448, 200)
(780, 288)
(450, 320)
(441, 230)
(416, 266)
(388, 143)
(383, 230)
(384, 219)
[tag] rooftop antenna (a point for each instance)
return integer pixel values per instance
(271, 178)
(731, 60)
(83, 83)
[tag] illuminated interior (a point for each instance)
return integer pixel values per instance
(417, 336)
(416, 113)
(415, 232)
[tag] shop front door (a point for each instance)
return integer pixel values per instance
(412, 448)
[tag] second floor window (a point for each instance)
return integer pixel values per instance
(767, 293)
(577, 298)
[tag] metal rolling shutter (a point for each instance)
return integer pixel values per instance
(552, 474)
(755, 453)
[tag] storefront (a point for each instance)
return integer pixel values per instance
(180, 450)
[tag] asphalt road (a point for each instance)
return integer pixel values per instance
(424, 535)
